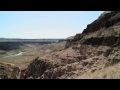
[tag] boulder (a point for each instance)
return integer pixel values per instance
(9, 71)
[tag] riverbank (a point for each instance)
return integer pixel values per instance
(14, 55)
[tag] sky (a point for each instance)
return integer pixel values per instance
(44, 24)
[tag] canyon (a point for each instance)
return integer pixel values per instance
(82, 56)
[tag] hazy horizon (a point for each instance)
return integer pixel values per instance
(44, 24)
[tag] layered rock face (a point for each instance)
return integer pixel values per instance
(103, 31)
(105, 20)
(94, 49)
(9, 71)
(71, 42)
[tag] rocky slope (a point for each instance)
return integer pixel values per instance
(96, 48)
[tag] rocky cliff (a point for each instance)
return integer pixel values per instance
(103, 31)
(97, 47)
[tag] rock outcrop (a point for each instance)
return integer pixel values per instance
(9, 71)
(103, 31)
(72, 41)
(106, 20)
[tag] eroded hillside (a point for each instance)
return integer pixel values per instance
(96, 49)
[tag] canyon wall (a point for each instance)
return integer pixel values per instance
(96, 48)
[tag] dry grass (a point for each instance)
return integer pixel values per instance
(112, 72)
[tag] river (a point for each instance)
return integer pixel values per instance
(18, 54)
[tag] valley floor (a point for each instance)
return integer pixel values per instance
(32, 51)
